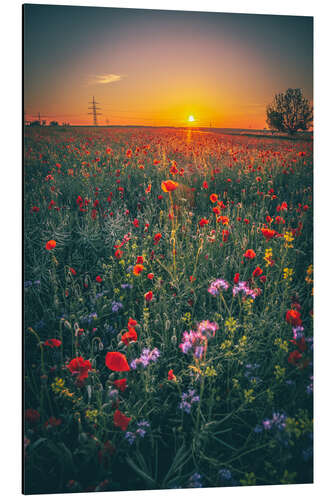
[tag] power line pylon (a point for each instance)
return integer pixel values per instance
(94, 110)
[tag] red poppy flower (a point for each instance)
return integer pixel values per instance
(263, 279)
(236, 278)
(139, 259)
(293, 317)
(157, 237)
(225, 235)
(250, 254)
(224, 219)
(213, 198)
(131, 323)
(50, 245)
(117, 362)
(171, 375)
(268, 234)
(168, 186)
(80, 367)
(136, 223)
(129, 336)
(118, 254)
(149, 296)
(137, 269)
(121, 384)
(268, 219)
(279, 220)
(35, 209)
(203, 222)
(72, 271)
(99, 279)
(79, 200)
(120, 420)
(53, 422)
(173, 169)
(32, 415)
(150, 276)
(257, 272)
(300, 343)
(294, 357)
(52, 343)
(205, 185)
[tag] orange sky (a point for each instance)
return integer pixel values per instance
(159, 67)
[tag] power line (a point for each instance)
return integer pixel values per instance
(94, 111)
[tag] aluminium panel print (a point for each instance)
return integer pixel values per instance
(168, 249)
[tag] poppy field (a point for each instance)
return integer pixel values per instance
(168, 309)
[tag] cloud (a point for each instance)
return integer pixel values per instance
(104, 79)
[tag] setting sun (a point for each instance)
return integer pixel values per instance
(191, 118)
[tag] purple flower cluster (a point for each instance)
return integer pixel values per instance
(243, 287)
(226, 478)
(217, 285)
(196, 341)
(126, 285)
(116, 306)
(208, 328)
(195, 481)
(88, 319)
(99, 295)
(277, 423)
(29, 283)
(250, 373)
(225, 475)
(140, 431)
(220, 284)
(146, 357)
(298, 332)
(188, 399)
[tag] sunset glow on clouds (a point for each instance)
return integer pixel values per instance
(105, 79)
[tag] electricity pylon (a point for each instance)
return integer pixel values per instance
(94, 110)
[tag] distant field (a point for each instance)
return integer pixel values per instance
(168, 308)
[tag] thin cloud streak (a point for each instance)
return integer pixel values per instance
(105, 79)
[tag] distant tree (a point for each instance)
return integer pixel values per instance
(54, 124)
(289, 112)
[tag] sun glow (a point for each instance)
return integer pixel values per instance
(191, 118)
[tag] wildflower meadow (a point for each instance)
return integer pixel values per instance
(168, 309)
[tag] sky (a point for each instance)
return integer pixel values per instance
(150, 67)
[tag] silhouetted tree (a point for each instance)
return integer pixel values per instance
(289, 112)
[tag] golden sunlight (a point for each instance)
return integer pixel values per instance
(191, 118)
